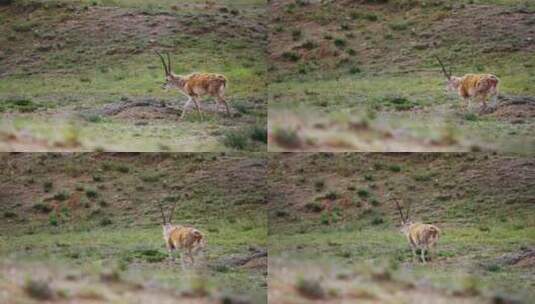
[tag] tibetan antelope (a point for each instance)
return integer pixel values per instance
(477, 86)
(188, 240)
(195, 85)
(420, 236)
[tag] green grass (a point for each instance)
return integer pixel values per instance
(460, 250)
(391, 74)
(85, 75)
(114, 220)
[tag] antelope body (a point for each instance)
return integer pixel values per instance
(195, 86)
(420, 236)
(188, 240)
(476, 86)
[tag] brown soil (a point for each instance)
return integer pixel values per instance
(497, 30)
(107, 32)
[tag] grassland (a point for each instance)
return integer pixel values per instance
(65, 62)
(364, 78)
(91, 223)
(334, 225)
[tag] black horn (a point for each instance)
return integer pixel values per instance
(163, 62)
(169, 64)
(448, 75)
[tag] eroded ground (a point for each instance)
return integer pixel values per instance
(334, 227)
(352, 76)
(85, 228)
(62, 62)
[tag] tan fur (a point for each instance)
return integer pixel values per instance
(188, 240)
(476, 86)
(421, 236)
(196, 85)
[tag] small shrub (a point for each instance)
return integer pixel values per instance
(332, 195)
(287, 138)
(236, 139)
(363, 193)
(105, 221)
(97, 178)
(311, 289)
(91, 193)
(371, 17)
(471, 117)
(291, 56)
(368, 177)
(296, 34)
(42, 208)
(259, 133)
(47, 186)
(150, 177)
(325, 219)
(309, 45)
(10, 214)
(374, 202)
(319, 184)
(340, 42)
(281, 213)
(394, 168)
(377, 220)
(354, 70)
(39, 290)
(61, 196)
(399, 25)
(314, 207)
(53, 219)
(493, 268)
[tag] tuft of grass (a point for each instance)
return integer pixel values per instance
(91, 193)
(394, 168)
(286, 138)
(10, 214)
(259, 133)
(47, 186)
(332, 195)
(319, 184)
(363, 193)
(41, 207)
(39, 290)
(314, 207)
(309, 288)
(236, 139)
(291, 56)
(62, 195)
(53, 219)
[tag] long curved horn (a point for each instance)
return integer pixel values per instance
(169, 65)
(163, 62)
(400, 212)
(444, 68)
(163, 213)
(171, 213)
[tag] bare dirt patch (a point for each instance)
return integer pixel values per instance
(513, 108)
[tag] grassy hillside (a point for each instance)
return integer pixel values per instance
(64, 63)
(334, 215)
(361, 75)
(91, 223)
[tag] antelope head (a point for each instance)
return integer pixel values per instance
(171, 80)
(452, 82)
(405, 220)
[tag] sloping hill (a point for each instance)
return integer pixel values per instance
(88, 219)
(63, 62)
(338, 211)
(354, 75)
